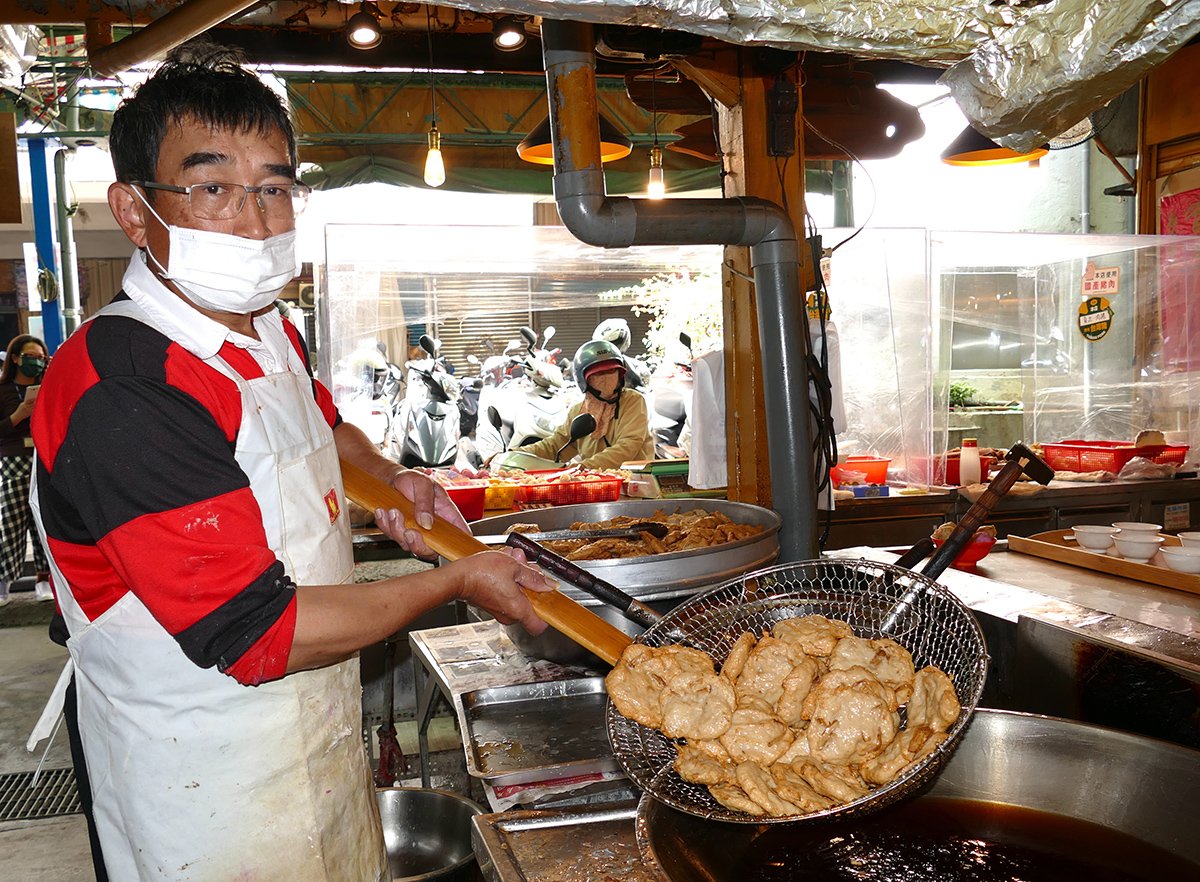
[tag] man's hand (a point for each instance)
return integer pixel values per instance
(496, 581)
(429, 498)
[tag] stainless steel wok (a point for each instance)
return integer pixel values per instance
(1145, 788)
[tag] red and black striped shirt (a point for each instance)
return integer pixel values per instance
(139, 491)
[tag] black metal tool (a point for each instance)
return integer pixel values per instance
(578, 577)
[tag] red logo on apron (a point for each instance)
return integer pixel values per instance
(331, 503)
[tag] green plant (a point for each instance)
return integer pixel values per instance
(962, 394)
(677, 301)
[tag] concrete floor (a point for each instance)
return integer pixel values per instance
(56, 849)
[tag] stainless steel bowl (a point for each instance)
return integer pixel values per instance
(1137, 785)
(660, 581)
(427, 834)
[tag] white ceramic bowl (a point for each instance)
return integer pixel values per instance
(1185, 560)
(1190, 540)
(1138, 549)
(1094, 537)
(1136, 527)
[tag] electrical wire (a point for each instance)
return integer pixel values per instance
(865, 171)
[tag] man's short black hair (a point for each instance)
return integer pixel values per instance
(201, 81)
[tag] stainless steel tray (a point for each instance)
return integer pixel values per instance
(562, 845)
(658, 576)
(536, 731)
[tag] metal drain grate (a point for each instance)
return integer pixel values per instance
(55, 795)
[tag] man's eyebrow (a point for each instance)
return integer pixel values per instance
(192, 160)
(284, 171)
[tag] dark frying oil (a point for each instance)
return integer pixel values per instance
(934, 839)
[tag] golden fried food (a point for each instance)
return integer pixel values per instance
(637, 682)
(933, 701)
(757, 783)
(697, 704)
(686, 531)
(700, 767)
(910, 746)
(756, 736)
(890, 662)
(799, 720)
(796, 790)
(851, 717)
(816, 635)
(732, 797)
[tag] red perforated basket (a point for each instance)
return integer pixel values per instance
(588, 488)
(1110, 456)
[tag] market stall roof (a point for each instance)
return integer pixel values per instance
(1021, 70)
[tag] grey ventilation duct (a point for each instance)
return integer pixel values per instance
(618, 222)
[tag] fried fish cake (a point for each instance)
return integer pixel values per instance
(816, 635)
(636, 684)
(696, 704)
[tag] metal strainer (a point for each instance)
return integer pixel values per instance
(933, 625)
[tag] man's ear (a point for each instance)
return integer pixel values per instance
(130, 212)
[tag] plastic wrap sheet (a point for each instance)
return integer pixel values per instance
(1144, 373)
(18, 48)
(382, 286)
(879, 295)
(1062, 60)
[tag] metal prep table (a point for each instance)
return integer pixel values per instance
(1050, 627)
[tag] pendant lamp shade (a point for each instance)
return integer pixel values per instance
(537, 148)
(971, 148)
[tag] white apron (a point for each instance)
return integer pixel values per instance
(195, 777)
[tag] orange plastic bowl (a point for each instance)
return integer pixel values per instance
(975, 551)
(874, 467)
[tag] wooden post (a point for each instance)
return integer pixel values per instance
(741, 93)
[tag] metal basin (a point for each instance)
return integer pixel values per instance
(661, 581)
(427, 834)
(1141, 787)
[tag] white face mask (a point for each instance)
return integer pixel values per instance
(227, 273)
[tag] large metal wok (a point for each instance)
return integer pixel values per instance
(1128, 783)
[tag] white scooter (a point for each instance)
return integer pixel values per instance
(670, 420)
(583, 424)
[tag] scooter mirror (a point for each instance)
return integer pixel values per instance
(582, 425)
(546, 335)
(428, 344)
(472, 359)
(494, 417)
(528, 335)
(686, 340)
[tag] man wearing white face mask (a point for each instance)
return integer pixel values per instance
(188, 491)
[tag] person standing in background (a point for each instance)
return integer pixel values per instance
(24, 363)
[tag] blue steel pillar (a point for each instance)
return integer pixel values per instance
(43, 232)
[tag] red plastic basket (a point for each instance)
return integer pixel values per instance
(1110, 456)
(589, 488)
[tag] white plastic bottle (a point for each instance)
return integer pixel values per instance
(969, 471)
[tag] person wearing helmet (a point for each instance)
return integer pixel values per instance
(622, 423)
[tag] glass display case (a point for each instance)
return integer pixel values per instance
(1014, 337)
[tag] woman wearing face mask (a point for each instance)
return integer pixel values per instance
(622, 423)
(24, 364)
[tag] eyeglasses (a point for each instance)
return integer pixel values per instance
(213, 200)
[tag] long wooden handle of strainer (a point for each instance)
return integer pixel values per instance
(555, 608)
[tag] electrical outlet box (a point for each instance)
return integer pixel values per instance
(783, 103)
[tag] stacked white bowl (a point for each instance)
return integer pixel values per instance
(1137, 542)
(1094, 537)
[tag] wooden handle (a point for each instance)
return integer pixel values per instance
(555, 608)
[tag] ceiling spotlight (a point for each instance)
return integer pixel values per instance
(362, 30)
(508, 34)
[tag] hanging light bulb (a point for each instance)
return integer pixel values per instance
(435, 168)
(656, 187)
(362, 30)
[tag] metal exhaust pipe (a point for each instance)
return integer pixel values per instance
(164, 34)
(568, 49)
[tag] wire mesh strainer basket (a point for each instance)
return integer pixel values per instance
(936, 628)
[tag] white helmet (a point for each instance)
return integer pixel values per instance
(615, 331)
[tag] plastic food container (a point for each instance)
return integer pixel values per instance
(1109, 456)
(975, 551)
(469, 498)
(874, 467)
(588, 488)
(500, 494)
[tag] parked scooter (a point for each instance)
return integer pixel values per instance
(428, 420)
(583, 424)
(368, 389)
(523, 409)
